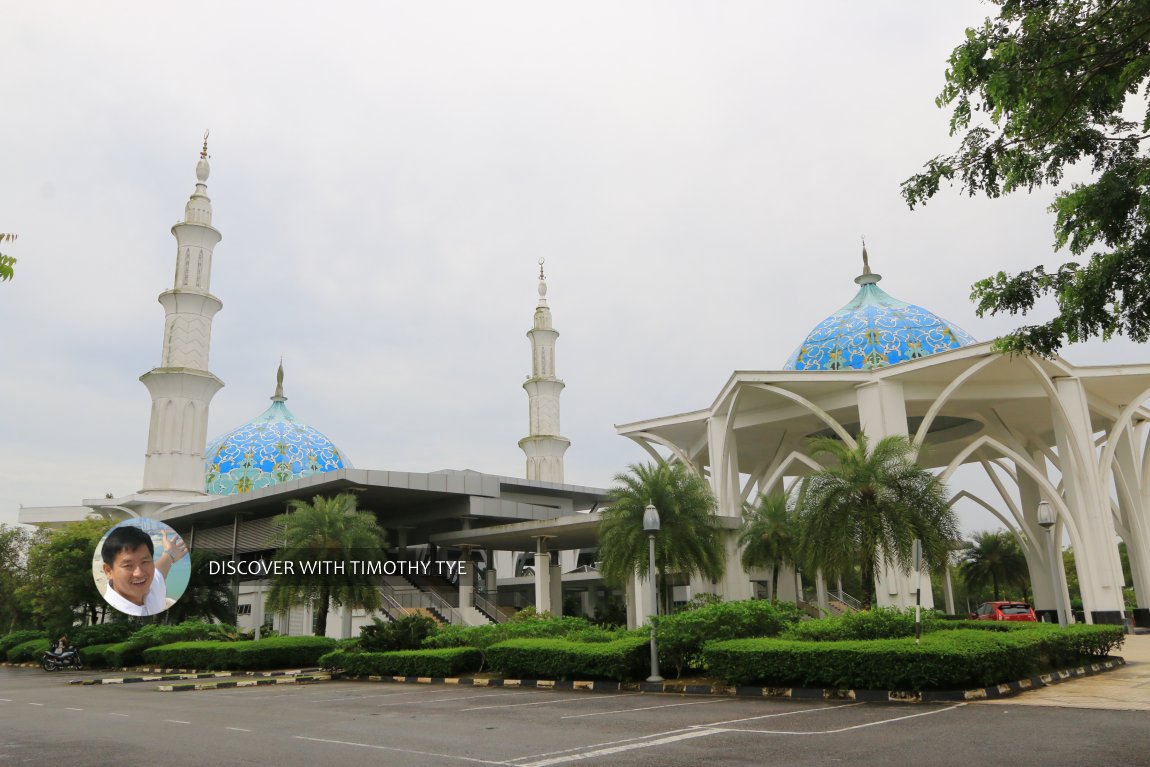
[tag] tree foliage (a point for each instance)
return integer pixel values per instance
(15, 543)
(59, 587)
(869, 506)
(6, 262)
(327, 530)
(689, 540)
(770, 536)
(994, 559)
(1045, 87)
(207, 596)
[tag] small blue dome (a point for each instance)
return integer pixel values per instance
(272, 448)
(875, 330)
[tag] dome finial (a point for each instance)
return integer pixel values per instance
(279, 395)
(542, 283)
(867, 277)
(204, 151)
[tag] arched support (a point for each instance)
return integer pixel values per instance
(944, 397)
(812, 408)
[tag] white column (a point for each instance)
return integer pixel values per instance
(542, 575)
(882, 413)
(1088, 497)
(556, 585)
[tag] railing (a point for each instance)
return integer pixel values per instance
(846, 599)
(391, 605)
(487, 607)
(415, 599)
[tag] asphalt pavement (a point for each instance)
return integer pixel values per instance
(45, 721)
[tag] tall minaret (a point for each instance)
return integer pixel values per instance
(543, 446)
(182, 387)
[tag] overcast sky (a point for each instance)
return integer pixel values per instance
(386, 176)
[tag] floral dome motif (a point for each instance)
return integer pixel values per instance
(274, 447)
(875, 330)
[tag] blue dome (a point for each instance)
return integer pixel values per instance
(875, 330)
(272, 448)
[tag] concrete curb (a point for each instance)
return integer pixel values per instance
(176, 675)
(225, 685)
(783, 693)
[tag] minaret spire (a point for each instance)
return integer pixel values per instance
(279, 395)
(543, 446)
(867, 277)
(182, 386)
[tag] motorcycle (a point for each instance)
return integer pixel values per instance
(54, 661)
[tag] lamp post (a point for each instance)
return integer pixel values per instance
(1046, 520)
(651, 526)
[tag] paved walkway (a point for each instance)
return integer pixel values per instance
(1127, 689)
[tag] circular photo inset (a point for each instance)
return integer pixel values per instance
(141, 566)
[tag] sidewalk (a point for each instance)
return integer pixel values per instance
(1125, 689)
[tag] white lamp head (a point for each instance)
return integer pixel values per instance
(651, 519)
(1046, 515)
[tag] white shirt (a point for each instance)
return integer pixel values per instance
(155, 602)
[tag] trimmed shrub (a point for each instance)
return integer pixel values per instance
(563, 659)
(30, 651)
(681, 636)
(100, 633)
(8, 641)
(95, 655)
(407, 633)
(277, 652)
(879, 623)
(131, 651)
(954, 658)
(444, 662)
(533, 626)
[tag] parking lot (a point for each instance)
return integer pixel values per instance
(44, 721)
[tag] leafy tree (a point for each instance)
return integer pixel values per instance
(6, 262)
(994, 558)
(60, 587)
(769, 536)
(207, 596)
(14, 545)
(327, 531)
(689, 540)
(869, 506)
(1045, 86)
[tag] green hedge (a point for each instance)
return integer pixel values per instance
(681, 636)
(131, 651)
(96, 655)
(621, 659)
(534, 627)
(950, 659)
(879, 623)
(443, 662)
(30, 651)
(101, 633)
(8, 641)
(277, 652)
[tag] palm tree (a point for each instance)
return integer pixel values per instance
(328, 531)
(869, 506)
(769, 536)
(689, 540)
(207, 596)
(994, 558)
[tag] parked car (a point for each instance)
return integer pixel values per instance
(1004, 611)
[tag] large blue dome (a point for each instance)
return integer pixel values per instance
(875, 330)
(272, 448)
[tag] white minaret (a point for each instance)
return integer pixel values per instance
(543, 446)
(182, 387)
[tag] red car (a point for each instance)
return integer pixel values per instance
(1004, 611)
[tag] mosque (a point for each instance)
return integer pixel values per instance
(1046, 433)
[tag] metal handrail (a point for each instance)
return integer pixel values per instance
(846, 599)
(488, 607)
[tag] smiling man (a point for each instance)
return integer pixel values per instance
(136, 580)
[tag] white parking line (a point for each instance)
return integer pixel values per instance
(540, 702)
(399, 750)
(644, 708)
(176, 721)
(237, 729)
(775, 716)
(35, 704)
(6, 700)
(361, 697)
(845, 729)
(454, 697)
(118, 714)
(619, 749)
(66, 708)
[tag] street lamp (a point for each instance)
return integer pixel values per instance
(651, 526)
(1046, 520)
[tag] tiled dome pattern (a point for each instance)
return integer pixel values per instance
(272, 448)
(875, 330)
